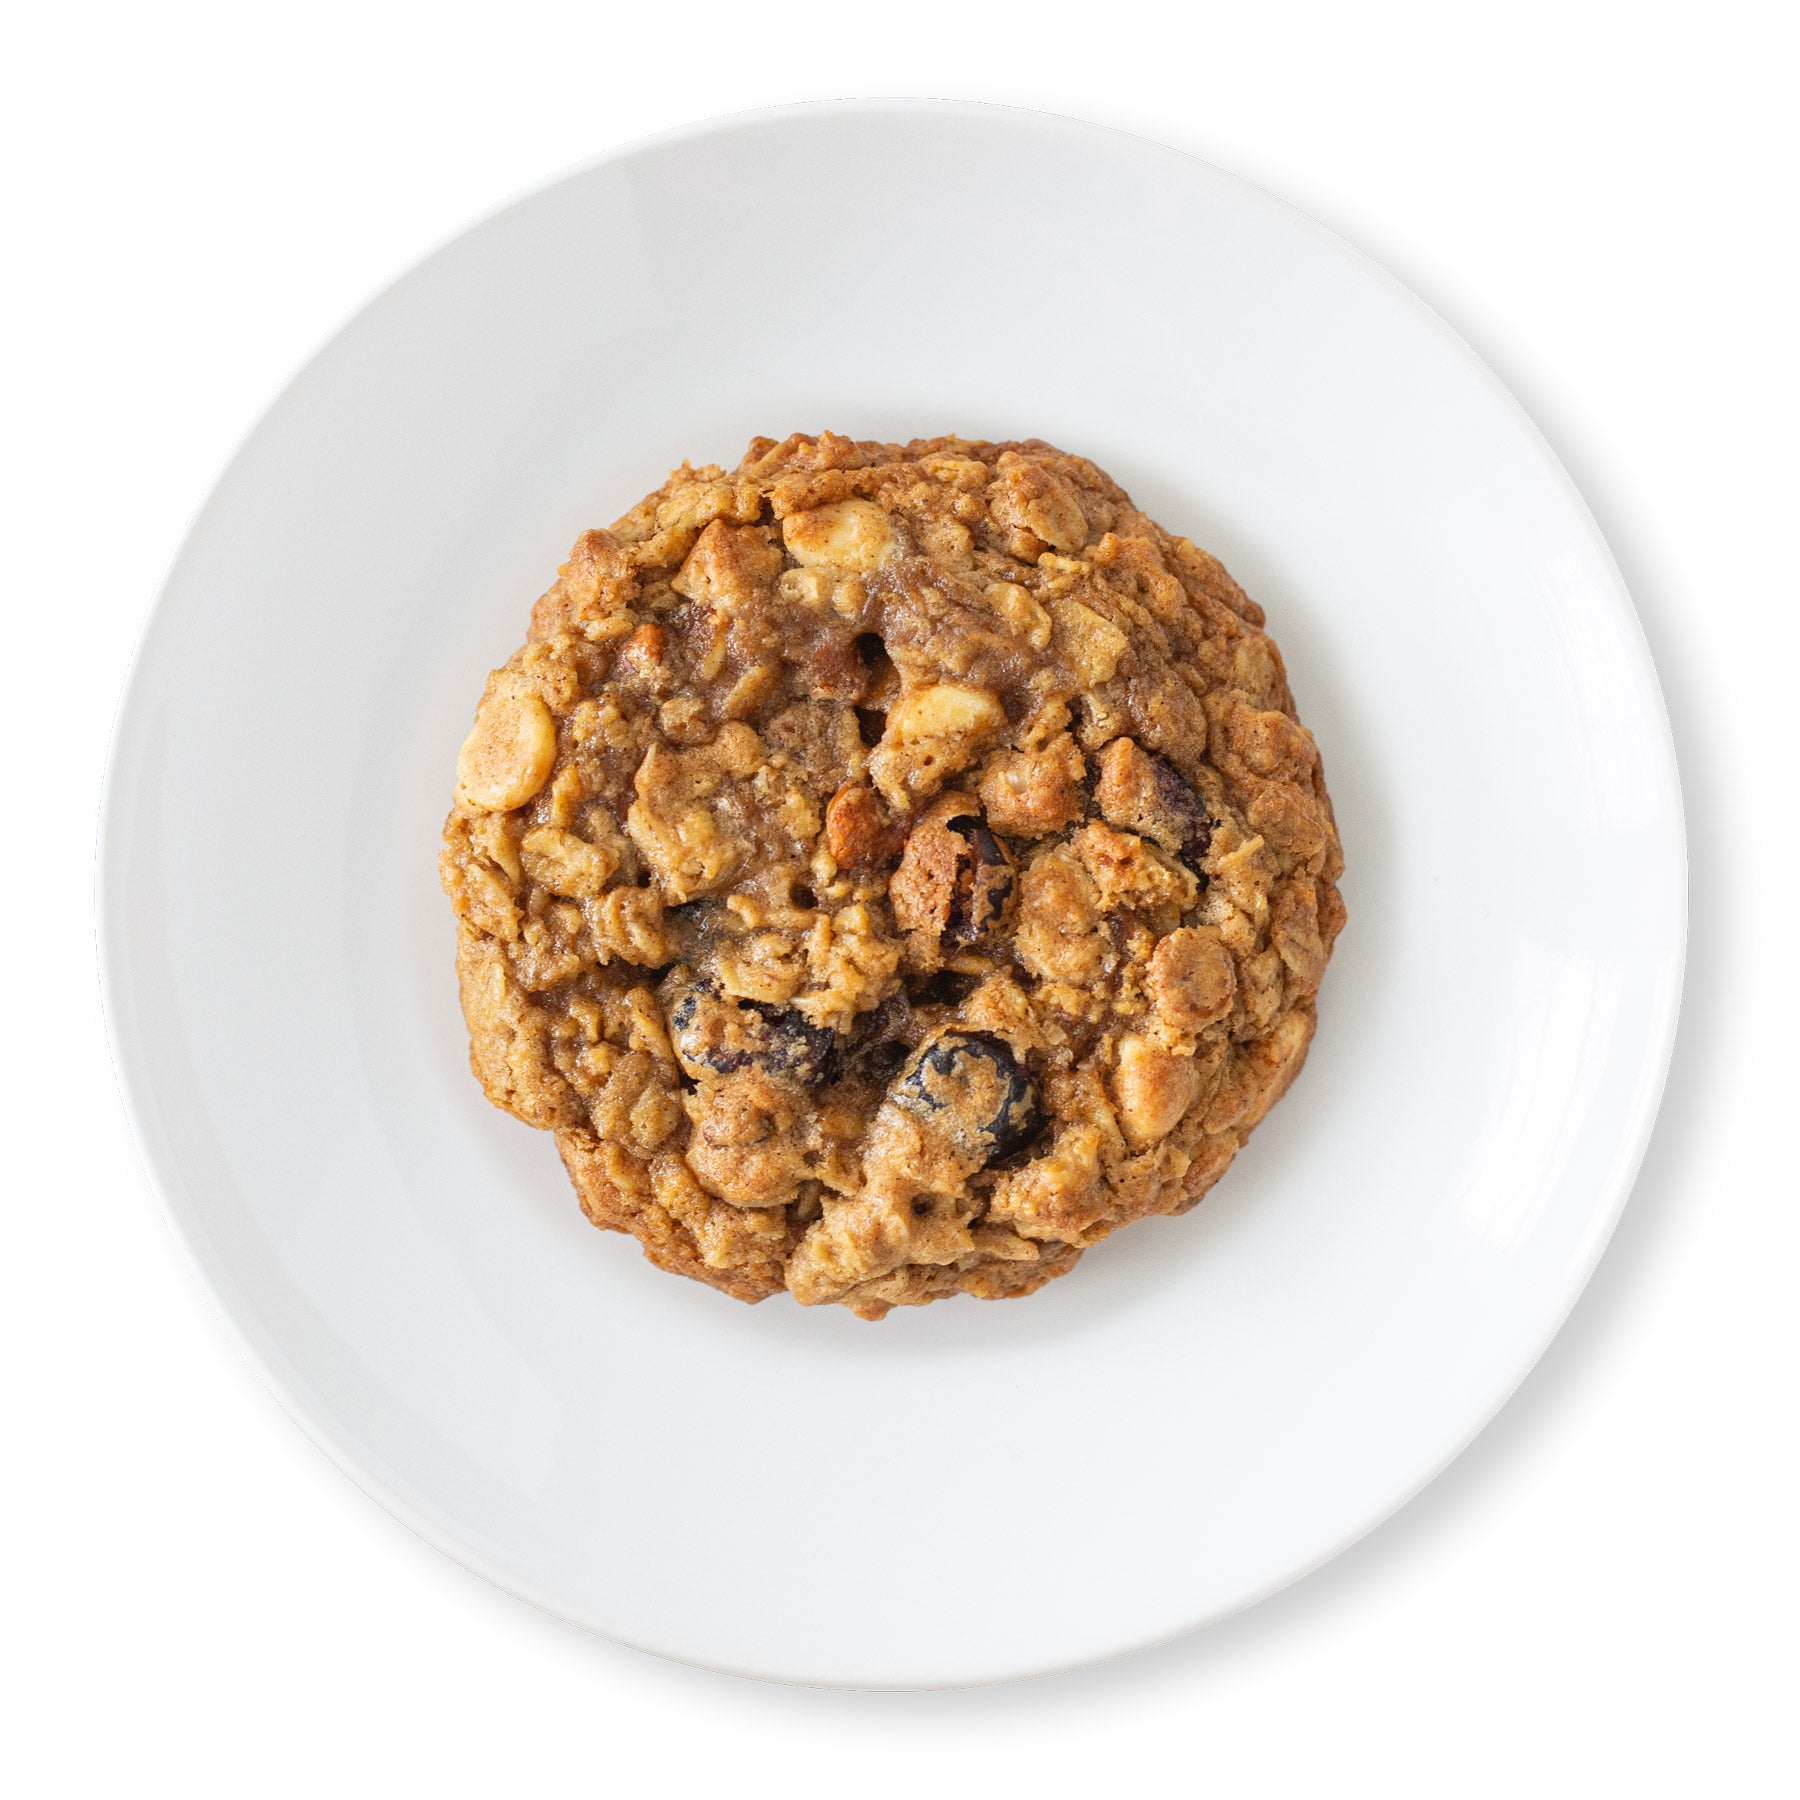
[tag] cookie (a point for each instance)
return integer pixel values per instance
(888, 870)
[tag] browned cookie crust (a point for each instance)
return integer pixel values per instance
(889, 869)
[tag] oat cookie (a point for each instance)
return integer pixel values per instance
(889, 869)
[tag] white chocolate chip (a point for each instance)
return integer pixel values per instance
(805, 587)
(1152, 1088)
(845, 534)
(508, 756)
(943, 710)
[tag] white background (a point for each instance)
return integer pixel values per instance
(1598, 1597)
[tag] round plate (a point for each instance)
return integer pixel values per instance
(1209, 1406)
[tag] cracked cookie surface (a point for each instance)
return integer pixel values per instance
(889, 869)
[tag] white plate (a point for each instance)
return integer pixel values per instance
(1208, 1406)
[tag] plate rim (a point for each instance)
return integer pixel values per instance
(211, 1272)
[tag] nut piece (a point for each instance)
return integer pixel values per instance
(834, 669)
(640, 658)
(508, 755)
(1139, 791)
(969, 1086)
(846, 534)
(858, 832)
(1152, 1088)
(955, 880)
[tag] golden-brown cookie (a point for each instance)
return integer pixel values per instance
(889, 869)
